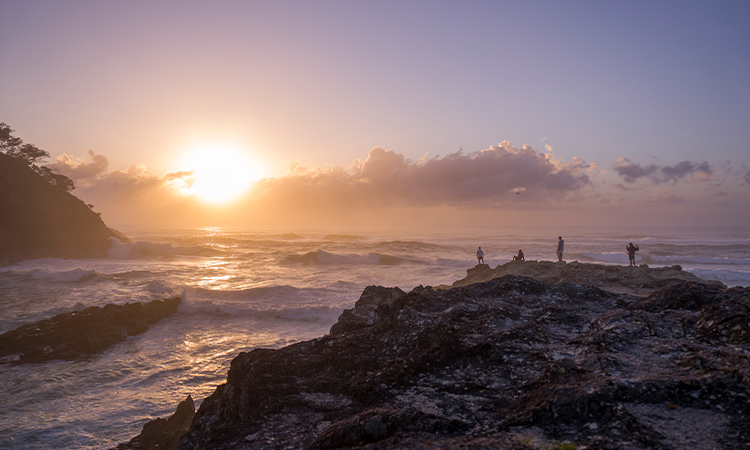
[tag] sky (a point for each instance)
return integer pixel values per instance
(387, 113)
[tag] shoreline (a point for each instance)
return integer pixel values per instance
(558, 306)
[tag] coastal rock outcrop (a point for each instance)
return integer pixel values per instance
(39, 220)
(72, 335)
(640, 280)
(163, 434)
(509, 363)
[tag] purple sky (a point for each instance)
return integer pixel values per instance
(649, 101)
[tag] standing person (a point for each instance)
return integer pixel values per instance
(560, 246)
(631, 252)
(480, 256)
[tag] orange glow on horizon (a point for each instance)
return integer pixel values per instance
(220, 173)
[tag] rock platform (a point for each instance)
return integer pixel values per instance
(75, 334)
(659, 359)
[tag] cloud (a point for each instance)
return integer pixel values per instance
(497, 184)
(685, 168)
(80, 171)
(134, 182)
(388, 178)
(632, 172)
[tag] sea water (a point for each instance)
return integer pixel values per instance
(245, 289)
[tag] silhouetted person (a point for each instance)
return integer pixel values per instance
(519, 257)
(631, 252)
(480, 256)
(560, 246)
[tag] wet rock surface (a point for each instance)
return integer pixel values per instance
(73, 335)
(639, 281)
(163, 434)
(510, 363)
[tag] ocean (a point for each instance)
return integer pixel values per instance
(245, 289)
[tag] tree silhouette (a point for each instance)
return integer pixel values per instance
(31, 155)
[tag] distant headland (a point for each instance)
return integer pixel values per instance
(40, 220)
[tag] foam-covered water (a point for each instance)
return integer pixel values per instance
(249, 289)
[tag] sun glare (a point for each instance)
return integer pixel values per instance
(220, 174)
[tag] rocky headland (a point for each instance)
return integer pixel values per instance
(75, 334)
(659, 360)
(39, 220)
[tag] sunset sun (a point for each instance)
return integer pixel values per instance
(220, 174)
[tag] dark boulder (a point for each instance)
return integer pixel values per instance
(509, 363)
(368, 310)
(75, 334)
(679, 294)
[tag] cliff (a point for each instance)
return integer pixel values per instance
(38, 220)
(508, 363)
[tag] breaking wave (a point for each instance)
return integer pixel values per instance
(59, 276)
(408, 246)
(343, 237)
(146, 249)
(323, 257)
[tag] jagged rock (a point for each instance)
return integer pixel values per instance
(163, 434)
(74, 334)
(728, 320)
(510, 363)
(680, 295)
(365, 311)
(39, 220)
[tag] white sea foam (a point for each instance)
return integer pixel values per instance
(161, 287)
(728, 277)
(609, 257)
(701, 260)
(146, 249)
(64, 276)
